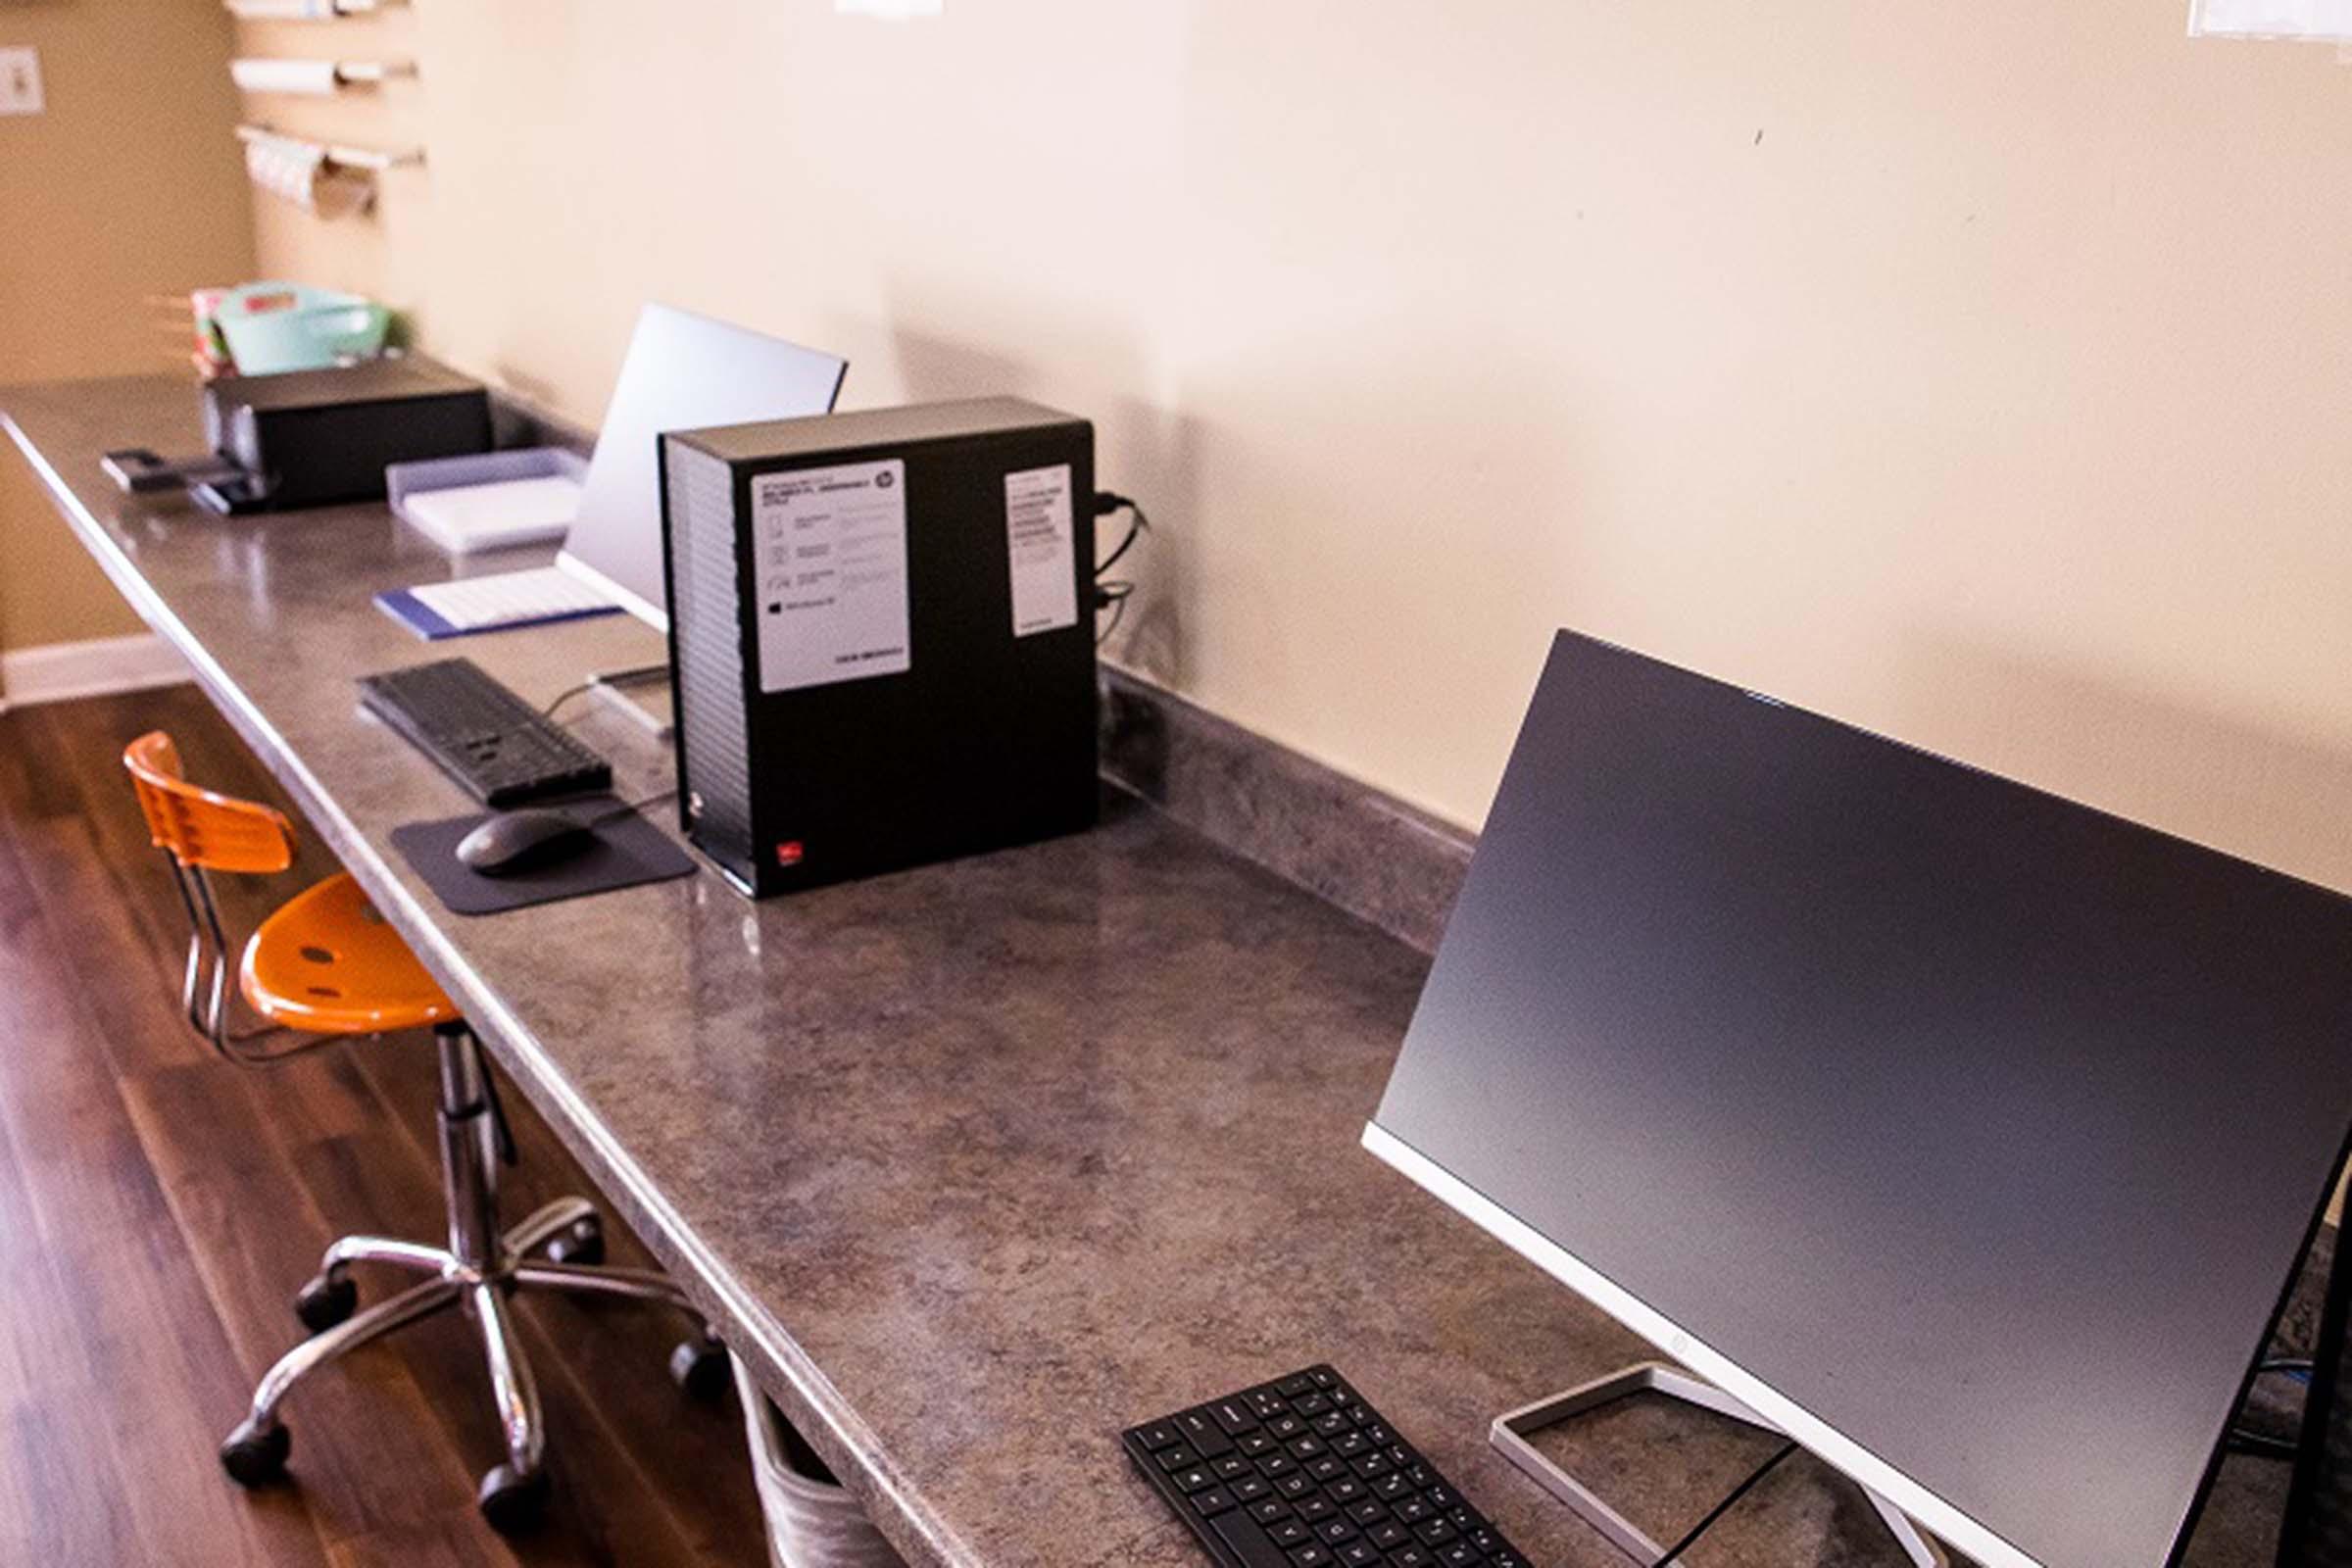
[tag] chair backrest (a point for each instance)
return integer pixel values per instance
(201, 829)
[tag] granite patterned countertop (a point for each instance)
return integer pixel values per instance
(975, 1165)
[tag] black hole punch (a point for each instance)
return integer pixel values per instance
(318, 955)
(328, 991)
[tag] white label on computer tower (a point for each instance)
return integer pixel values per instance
(831, 549)
(1038, 532)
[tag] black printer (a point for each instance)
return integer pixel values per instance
(315, 438)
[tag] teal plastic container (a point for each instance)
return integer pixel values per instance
(270, 327)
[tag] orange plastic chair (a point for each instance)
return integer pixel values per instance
(324, 962)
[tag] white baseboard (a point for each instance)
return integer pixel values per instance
(58, 671)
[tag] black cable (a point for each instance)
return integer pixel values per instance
(549, 712)
(1725, 1506)
(2261, 1444)
(622, 810)
(1111, 596)
(606, 677)
(1107, 503)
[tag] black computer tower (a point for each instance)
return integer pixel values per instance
(882, 640)
(314, 438)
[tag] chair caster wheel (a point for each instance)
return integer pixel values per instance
(256, 1457)
(326, 1301)
(700, 1367)
(581, 1242)
(512, 1503)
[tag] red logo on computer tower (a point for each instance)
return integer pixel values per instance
(789, 852)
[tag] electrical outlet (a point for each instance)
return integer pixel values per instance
(21, 80)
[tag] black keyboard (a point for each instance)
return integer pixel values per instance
(1302, 1473)
(499, 747)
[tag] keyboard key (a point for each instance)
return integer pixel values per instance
(1371, 1464)
(1312, 1404)
(1248, 1542)
(1156, 1437)
(1326, 1468)
(1269, 1509)
(1330, 1424)
(1412, 1510)
(1197, 1479)
(1345, 1489)
(1359, 1554)
(1286, 1533)
(1286, 1427)
(1485, 1540)
(1254, 1444)
(1251, 1487)
(1324, 1376)
(1232, 1465)
(1234, 1416)
(1291, 1388)
(1208, 1437)
(1179, 1457)
(1311, 1555)
(1389, 1535)
(1298, 1484)
(1316, 1508)
(1435, 1532)
(1215, 1501)
(1305, 1448)
(1275, 1464)
(1370, 1511)
(1390, 1487)
(1347, 1445)
(1462, 1555)
(1412, 1558)
(1337, 1530)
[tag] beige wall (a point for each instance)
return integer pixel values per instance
(1975, 372)
(129, 186)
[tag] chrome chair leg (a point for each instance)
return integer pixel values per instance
(257, 1449)
(636, 1284)
(384, 1250)
(511, 1492)
(547, 1222)
(511, 1384)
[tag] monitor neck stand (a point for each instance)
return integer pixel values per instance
(1513, 1428)
(642, 696)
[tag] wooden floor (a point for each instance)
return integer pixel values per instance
(158, 1207)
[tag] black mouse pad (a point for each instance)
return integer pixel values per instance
(628, 850)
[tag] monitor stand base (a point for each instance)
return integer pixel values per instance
(1513, 1428)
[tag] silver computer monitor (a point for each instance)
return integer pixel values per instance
(683, 371)
(1968, 1134)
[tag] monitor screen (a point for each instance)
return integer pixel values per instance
(1968, 1134)
(682, 373)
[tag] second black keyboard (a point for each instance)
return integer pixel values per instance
(500, 747)
(1302, 1473)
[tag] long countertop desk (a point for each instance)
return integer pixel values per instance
(974, 1165)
